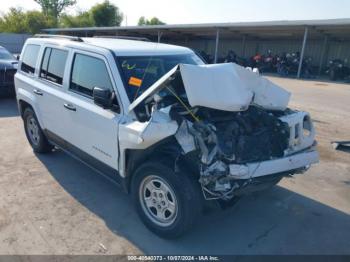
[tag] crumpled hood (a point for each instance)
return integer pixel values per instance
(215, 86)
(227, 87)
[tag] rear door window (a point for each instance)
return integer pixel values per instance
(29, 59)
(53, 65)
(89, 72)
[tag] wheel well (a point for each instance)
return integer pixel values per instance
(22, 106)
(167, 152)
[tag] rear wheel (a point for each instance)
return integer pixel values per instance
(167, 202)
(34, 132)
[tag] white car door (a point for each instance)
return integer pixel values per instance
(26, 77)
(91, 132)
(50, 89)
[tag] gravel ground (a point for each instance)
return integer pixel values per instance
(53, 204)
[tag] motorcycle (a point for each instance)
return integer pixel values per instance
(265, 63)
(232, 57)
(338, 69)
(288, 64)
(208, 59)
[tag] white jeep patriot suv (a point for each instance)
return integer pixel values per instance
(172, 131)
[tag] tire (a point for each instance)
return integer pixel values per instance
(34, 133)
(181, 193)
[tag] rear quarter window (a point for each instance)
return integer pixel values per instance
(30, 56)
(53, 65)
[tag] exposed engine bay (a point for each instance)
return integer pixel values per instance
(228, 141)
(233, 141)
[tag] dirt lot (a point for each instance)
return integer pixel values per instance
(53, 204)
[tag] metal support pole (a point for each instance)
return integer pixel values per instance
(324, 49)
(243, 46)
(186, 40)
(257, 47)
(159, 36)
(302, 52)
(217, 45)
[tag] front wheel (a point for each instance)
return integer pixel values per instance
(167, 202)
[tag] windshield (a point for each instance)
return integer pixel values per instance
(5, 55)
(140, 72)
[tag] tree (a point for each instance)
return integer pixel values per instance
(152, 21)
(142, 21)
(106, 14)
(155, 21)
(13, 21)
(83, 19)
(54, 8)
(17, 21)
(35, 21)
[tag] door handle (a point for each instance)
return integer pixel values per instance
(69, 107)
(37, 92)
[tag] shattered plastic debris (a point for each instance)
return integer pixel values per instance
(238, 171)
(184, 138)
(218, 168)
(341, 145)
(205, 137)
(103, 248)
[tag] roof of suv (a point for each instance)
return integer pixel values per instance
(121, 47)
(132, 47)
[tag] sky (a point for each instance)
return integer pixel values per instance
(211, 11)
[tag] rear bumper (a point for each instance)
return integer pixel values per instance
(287, 164)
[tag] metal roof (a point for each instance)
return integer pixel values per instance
(334, 28)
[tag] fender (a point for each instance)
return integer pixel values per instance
(26, 96)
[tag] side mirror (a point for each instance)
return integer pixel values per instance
(17, 57)
(103, 97)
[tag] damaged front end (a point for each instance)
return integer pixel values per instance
(238, 149)
(232, 125)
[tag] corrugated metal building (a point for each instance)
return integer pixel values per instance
(322, 40)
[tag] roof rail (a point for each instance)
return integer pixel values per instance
(145, 39)
(72, 38)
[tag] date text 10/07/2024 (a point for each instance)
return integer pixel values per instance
(173, 258)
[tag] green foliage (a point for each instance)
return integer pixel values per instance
(106, 14)
(103, 14)
(142, 21)
(83, 19)
(17, 21)
(152, 21)
(54, 8)
(13, 21)
(35, 21)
